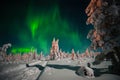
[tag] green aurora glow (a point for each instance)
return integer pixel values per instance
(45, 25)
(40, 25)
(22, 50)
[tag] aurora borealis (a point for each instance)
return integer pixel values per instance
(34, 23)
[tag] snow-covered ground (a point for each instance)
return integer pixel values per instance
(21, 71)
(64, 69)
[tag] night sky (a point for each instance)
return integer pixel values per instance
(34, 23)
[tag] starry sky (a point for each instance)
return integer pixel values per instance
(34, 23)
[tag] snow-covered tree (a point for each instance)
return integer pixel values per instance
(104, 15)
(3, 50)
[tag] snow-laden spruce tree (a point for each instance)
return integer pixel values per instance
(104, 15)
